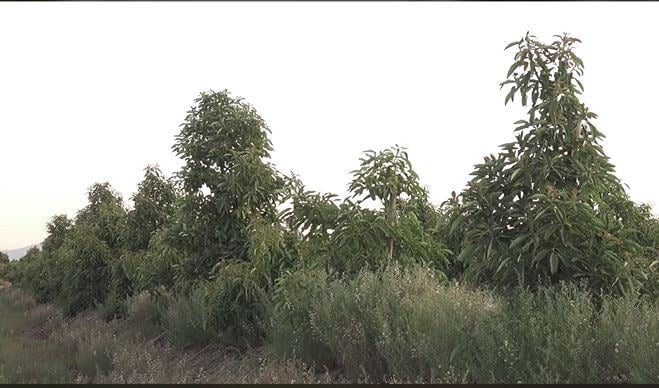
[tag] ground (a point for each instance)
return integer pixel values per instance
(37, 345)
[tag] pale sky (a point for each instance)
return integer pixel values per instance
(94, 92)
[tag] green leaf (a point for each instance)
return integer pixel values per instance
(466, 253)
(515, 173)
(512, 44)
(513, 67)
(510, 94)
(540, 213)
(502, 264)
(455, 224)
(519, 240)
(540, 255)
(553, 263)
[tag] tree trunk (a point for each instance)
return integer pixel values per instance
(392, 218)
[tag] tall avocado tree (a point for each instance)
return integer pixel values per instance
(548, 206)
(226, 179)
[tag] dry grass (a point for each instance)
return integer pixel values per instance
(38, 346)
(150, 363)
(400, 327)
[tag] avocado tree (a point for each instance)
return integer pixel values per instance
(148, 260)
(104, 215)
(4, 265)
(87, 270)
(548, 206)
(27, 271)
(226, 225)
(41, 270)
(153, 208)
(59, 228)
(89, 261)
(226, 180)
(386, 176)
(347, 236)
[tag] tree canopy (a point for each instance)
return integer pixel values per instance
(548, 206)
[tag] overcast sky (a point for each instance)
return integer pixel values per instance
(95, 91)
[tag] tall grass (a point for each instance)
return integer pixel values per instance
(408, 325)
(543, 337)
(185, 321)
(291, 334)
(25, 355)
(394, 324)
(628, 339)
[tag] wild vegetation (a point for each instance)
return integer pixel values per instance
(4, 265)
(38, 345)
(541, 270)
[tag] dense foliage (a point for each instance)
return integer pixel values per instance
(406, 324)
(548, 207)
(347, 236)
(4, 264)
(227, 182)
(232, 250)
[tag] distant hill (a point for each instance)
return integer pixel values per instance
(17, 253)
